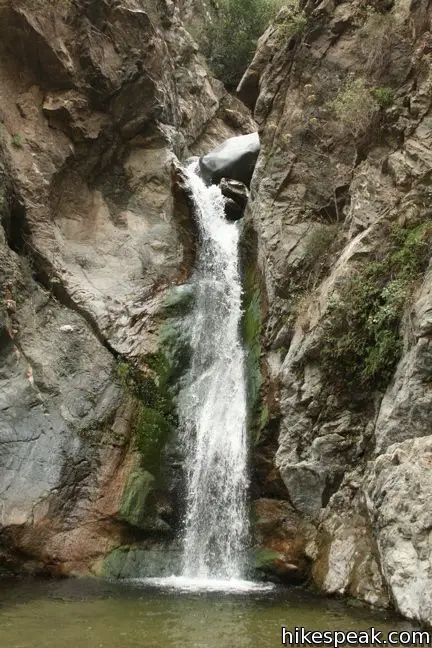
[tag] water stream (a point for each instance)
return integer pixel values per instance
(212, 401)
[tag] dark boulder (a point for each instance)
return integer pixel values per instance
(234, 159)
(236, 195)
(233, 211)
(235, 190)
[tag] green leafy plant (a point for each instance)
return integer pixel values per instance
(383, 96)
(354, 106)
(17, 141)
(361, 342)
(291, 20)
(229, 40)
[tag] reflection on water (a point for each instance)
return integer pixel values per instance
(94, 614)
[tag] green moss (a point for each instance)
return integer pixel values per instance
(155, 414)
(265, 557)
(154, 381)
(136, 506)
(114, 563)
(179, 300)
(263, 420)
(153, 431)
(134, 562)
(361, 342)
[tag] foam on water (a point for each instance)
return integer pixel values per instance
(184, 584)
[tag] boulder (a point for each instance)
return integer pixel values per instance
(235, 190)
(233, 211)
(236, 197)
(235, 159)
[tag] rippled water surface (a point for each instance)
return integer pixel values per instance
(94, 614)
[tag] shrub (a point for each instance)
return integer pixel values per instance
(16, 141)
(361, 342)
(355, 106)
(375, 40)
(383, 96)
(320, 243)
(291, 20)
(230, 39)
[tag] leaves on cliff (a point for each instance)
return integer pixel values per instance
(361, 341)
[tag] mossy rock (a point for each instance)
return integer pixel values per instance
(155, 380)
(179, 300)
(265, 558)
(361, 342)
(153, 430)
(133, 562)
(137, 505)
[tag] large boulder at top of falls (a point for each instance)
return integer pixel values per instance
(235, 159)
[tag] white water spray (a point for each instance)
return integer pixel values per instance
(212, 401)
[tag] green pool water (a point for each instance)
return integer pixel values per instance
(98, 614)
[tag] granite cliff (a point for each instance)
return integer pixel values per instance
(340, 226)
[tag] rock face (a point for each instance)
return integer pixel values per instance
(340, 223)
(282, 537)
(235, 159)
(97, 102)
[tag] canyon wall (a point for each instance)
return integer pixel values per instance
(340, 221)
(98, 101)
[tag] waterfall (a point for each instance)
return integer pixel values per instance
(212, 401)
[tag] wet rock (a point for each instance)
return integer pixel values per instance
(235, 190)
(281, 539)
(236, 195)
(233, 211)
(138, 562)
(234, 159)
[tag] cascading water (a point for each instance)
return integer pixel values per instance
(212, 401)
(211, 407)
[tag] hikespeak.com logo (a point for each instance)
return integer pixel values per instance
(299, 636)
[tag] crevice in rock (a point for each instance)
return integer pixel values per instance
(18, 237)
(331, 487)
(332, 211)
(15, 224)
(43, 271)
